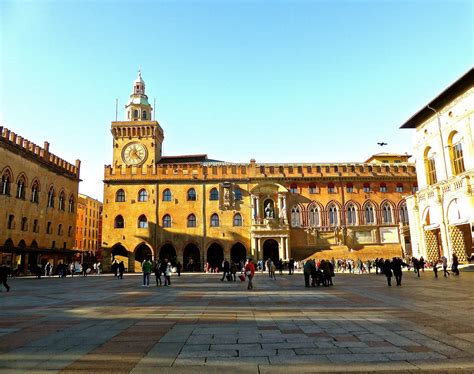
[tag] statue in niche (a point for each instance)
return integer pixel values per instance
(269, 210)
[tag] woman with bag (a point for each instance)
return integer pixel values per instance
(250, 272)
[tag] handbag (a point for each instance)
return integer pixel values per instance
(248, 273)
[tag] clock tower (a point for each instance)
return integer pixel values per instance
(138, 140)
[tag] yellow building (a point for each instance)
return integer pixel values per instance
(89, 215)
(442, 211)
(197, 210)
(38, 196)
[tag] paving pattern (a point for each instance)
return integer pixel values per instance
(200, 324)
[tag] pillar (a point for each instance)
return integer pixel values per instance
(281, 252)
(287, 252)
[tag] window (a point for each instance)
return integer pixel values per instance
(144, 114)
(51, 198)
(351, 215)
(142, 196)
(404, 214)
(11, 221)
(120, 196)
(167, 195)
(332, 215)
(387, 213)
(119, 223)
(295, 217)
(20, 191)
(192, 194)
(166, 220)
(6, 181)
(214, 220)
(60, 229)
(61, 201)
(294, 188)
(192, 220)
(35, 226)
(414, 188)
(383, 187)
(399, 187)
(349, 188)
(312, 189)
(238, 194)
(331, 188)
(430, 166)
(366, 187)
(69, 231)
(24, 224)
(237, 219)
(49, 228)
(71, 204)
(34, 192)
(214, 194)
(369, 214)
(142, 222)
(135, 114)
(456, 153)
(314, 217)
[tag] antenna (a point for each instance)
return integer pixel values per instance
(116, 109)
(154, 108)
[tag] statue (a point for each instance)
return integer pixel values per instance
(269, 211)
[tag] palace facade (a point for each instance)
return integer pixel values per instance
(197, 210)
(38, 196)
(88, 225)
(442, 211)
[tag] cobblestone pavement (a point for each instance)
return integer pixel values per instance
(200, 324)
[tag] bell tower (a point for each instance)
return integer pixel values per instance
(137, 140)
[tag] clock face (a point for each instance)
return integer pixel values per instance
(134, 154)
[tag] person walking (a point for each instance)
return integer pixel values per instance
(225, 269)
(146, 268)
(416, 266)
(388, 272)
(233, 270)
(435, 268)
(455, 264)
(307, 271)
(280, 266)
(250, 272)
(158, 273)
(422, 264)
(121, 269)
(396, 266)
(4, 271)
(444, 261)
(178, 268)
(167, 273)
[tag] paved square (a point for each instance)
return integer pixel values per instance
(199, 324)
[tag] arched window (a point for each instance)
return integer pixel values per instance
(6, 181)
(456, 153)
(135, 114)
(191, 194)
(214, 220)
(20, 191)
(144, 114)
(166, 220)
(35, 226)
(192, 220)
(214, 194)
(142, 222)
(11, 222)
(404, 214)
(120, 196)
(35, 192)
(49, 228)
(332, 211)
(314, 217)
(167, 195)
(24, 224)
(387, 213)
(71, 204)
(351, 215)
(61, 201)
(119, 223)
(142, 195)
(60, 229)
(430, 166)
(51, 198)
(369, 214)
(238, 194)
(237, 219)
(295, 217)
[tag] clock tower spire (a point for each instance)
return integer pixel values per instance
(138, 140)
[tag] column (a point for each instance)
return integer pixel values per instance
(258, 249)
(254, 208)
(281, 251)
(257, 202)
(287, 254)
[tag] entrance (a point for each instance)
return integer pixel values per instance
(119, 253)
(191, 258)
(270, 250)
(143, 252)
(168, 252)
(215, 256)
(238, 253)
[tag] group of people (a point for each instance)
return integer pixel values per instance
(320, 272)
(160, 268)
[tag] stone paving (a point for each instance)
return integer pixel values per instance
(102, 324)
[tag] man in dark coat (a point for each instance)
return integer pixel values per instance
(225, 269)
(4, 271)
(396, 265)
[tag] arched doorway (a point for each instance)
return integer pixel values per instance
(168, 252)
(191, 258)
(215, 256)
(119, 253)
(238, 253)
(270, 250)
(143, 252)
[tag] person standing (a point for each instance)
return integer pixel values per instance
(146, 268)
(396, 265)
(158, 273)
(422, 264)
(178, 268)
(455, 264)
(233, 270)
(225, 269)
(280, 266)
(4, 271)
(444, 261)
(121, 269)
(388, 272)
(250, 272)
(435, 268)
(168, 273)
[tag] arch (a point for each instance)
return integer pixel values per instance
(33, 244)
(191, 258)
(215, 256)
(268, 188)
(22, 177)
(426, 219)
(120, 196)
(144, 114)
(142, 195)
(369, 212)
(387, 212)
(8, 245)
(166, 195)
(191, 195)
(62, 200)
(237, 220)
(168, 252)
(119, 222)
(457, 212)
(135, 114)
(142, 222)
(214, 194)
(21, 184)
(270, 250)
(351, 213)
(118, 250)
(191, 220)
(456, 153)
(142, 252)
(269, 207)
(430, 166)
(238, 253)
(21, 244)
(296, 216)
(166, 221)
(403, 212)
(72, 205)
(215, 220)
(6, 180)
(333, 208)
(51, 195)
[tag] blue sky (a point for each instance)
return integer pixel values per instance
(278, 81)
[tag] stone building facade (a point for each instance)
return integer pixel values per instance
(38, 197)
(88, 225)
(442, 211)
(197, 210)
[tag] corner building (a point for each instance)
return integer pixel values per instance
(196, 210)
